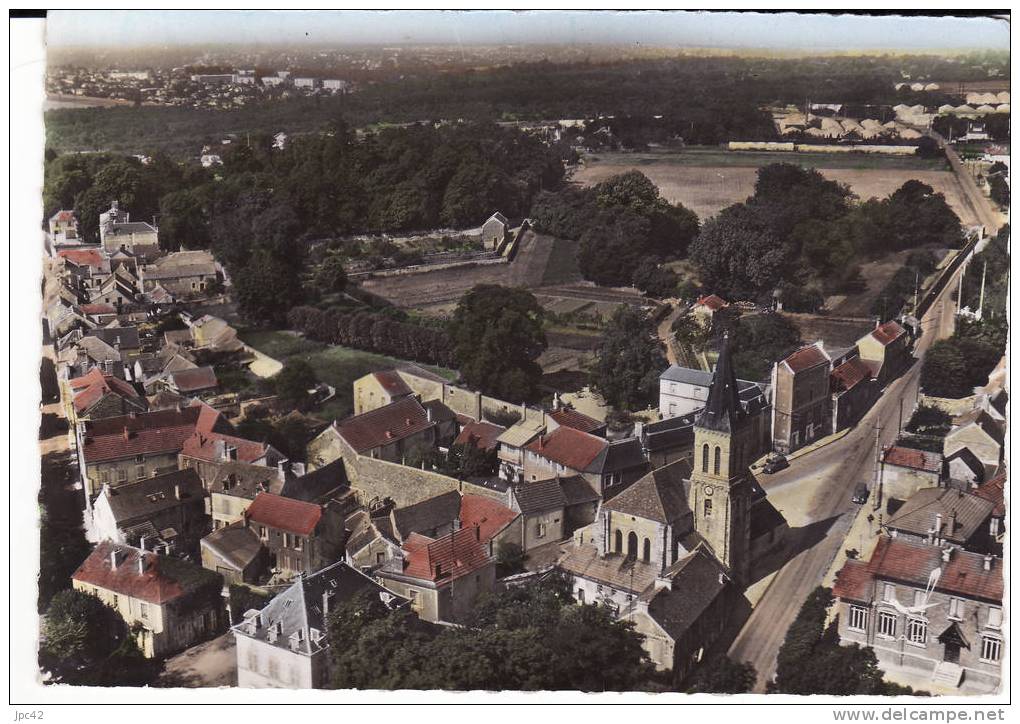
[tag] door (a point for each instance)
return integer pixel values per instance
(952, 653)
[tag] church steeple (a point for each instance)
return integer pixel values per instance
(722, 408)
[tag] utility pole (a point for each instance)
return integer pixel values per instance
(981, 298)
(917, 282)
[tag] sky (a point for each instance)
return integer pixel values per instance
(658, 28)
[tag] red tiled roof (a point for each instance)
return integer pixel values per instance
(911, 562)
(161, 431)
(204, 446)
(850, 374)
(449, 557)
(384, 425)
(391, 383)
(95, 385)
(194, 379)
(480, 434)
(853, 582)
(275, 511)
(97, 309)
(713, 302)
(888, 332)
(572, 418)
(82, 257)
(488, 515)
(806, 358)
(907, 457)
(63, 215)
(571, 448)
(151, 585)
(994, 491)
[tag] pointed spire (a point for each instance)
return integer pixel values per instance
(722, 408)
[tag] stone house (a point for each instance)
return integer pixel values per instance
(63, 227)
(394, 432)
(903, 471)
(214, 334)
(299, 536)
(98, 395)
(442, 578)
(945, 516)
(886, 349)
(930, 613)
(117, 231)
(231, 487)
(982, 435)
(286, 644)
(495, 231)
(705, 308)
(235, 553)
(542, 506)
(852, 390)
(184, 274)
(800, 405)
(378, 389)
(170, 507)
(668, 440)
(174, 604)
(609, 466)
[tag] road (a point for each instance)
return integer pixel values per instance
(820, 485)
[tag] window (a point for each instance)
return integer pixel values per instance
(104, 477)
(917, 631)
(580, 595)
(140, 472)
(632, 546)
(704, 458)
(889, 593)
(956, 609)
(718, 460)
(122, 475)
(144, 610)
(380, 558)
(994, 618)
(618, 542)
(540, 530)
(858, 618)
(286, 540)
(263, 533)
(116, 601)
(646, 552)
(887, 625)
(415, 601)
(991, 648)
(708, 507)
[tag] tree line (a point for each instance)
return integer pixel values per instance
(373, 332)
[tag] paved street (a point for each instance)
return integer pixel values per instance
(815, 491)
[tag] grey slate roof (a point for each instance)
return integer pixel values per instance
(318, 483)
(539, 495)
(917, 516)
(661, 495)
(292, 615)
(235, 544)
(577, 490)
(243, 480)
(152, 495)
(673, 432)
(127, 336)
(687, 375)
(623, 455)
(428, 515)
(697, 583)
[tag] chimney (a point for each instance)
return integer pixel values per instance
(947, 554)
(428, 414)
(938, 524)
(988, 562)
(478, 533)
(952, 521)
(141, 542)
(177, 491)
(142, 563)
(127, 433)
(116, 558)
(556, 400)
(325, 605)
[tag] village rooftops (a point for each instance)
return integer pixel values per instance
(195, 379)
(92, 387)
(483, 435)
(571, 448)
(244, 480)
(850, 374)
(888, 333)
(315, 486)
(982, 419)
(384, 425)
(117, 337)
(944, 513)
(713, 302)
(275, 511)
(661, 495)
(452, 556)
(235, 544)
(487, 515)
(152, 495)
(142, 574)
(538, 496)
(83, 257)
(64, 216)
(114, 438)
(569, 417)
(521, 433)
(392, 383)
(908, 457)
(426, 516)
(994, 491)
(695, 582)
(296, 619)
(899, 560)
(806, 358)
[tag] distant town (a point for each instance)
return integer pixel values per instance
(633, 399)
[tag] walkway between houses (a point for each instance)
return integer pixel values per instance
(210, 664)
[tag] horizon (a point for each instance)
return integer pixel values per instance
(735, 32)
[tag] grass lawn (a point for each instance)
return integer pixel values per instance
(713, 156)
(334, 365)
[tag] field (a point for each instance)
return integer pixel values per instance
(709, 181)
(334, 365)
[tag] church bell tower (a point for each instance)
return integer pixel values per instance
(720, 491)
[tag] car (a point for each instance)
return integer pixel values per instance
(860, 495)
(774, 463)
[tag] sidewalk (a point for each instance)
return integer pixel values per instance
(800, 452)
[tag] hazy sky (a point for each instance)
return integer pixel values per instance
(660, 28)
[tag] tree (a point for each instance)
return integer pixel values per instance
(293, 382)
(724, 676)
(331, 276)
(758, 340)
(497, 335)
(266, 288)
(655, 281)
(629, 360)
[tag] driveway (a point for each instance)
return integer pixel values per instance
(210, 664)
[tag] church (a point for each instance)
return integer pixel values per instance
(674, 551)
